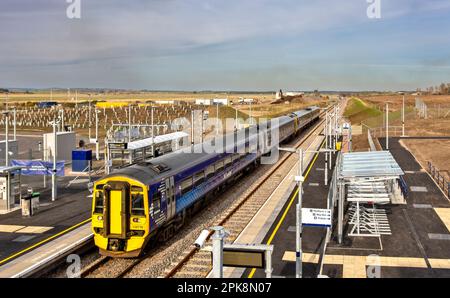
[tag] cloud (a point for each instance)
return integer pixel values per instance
(200, 39)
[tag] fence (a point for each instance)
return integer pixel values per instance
(440, 179)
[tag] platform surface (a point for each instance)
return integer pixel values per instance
(24, 264)
(418, 247)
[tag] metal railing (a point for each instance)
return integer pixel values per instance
(440, 179)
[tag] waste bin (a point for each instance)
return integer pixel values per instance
(30, 204)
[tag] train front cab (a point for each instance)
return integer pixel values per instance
(120, 218)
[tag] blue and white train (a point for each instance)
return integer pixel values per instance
(152, 200)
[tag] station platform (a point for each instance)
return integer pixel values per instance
(27, 264)
(261, 227)
(419, 244)
(20, 235)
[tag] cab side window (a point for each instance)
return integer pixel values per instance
(137, 204)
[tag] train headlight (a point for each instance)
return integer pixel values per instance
(99, 217)
(135, 219)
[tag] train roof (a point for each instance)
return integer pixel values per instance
(172, 163)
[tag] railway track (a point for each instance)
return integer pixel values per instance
(196, 263)
(192, 262)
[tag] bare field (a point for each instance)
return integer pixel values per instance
(132, 96)
(436, 124)
(395, 101)
(435, 151)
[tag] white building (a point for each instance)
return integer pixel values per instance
(203, 102)
(66, 143)
(220, 101)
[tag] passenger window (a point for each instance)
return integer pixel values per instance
(219, 165)
(98, 202)
(156, 203)
(137, 204)
(198, 178)
(209, 171)
(186, 185)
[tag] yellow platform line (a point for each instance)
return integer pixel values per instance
(277, 227)
(355, 266)
(43, 241)
(444, 215)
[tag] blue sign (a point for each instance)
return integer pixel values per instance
(39, 167)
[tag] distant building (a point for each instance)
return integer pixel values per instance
(220, 101)
(167, 102)
(279, 94)
(292, 93)
(203, 102)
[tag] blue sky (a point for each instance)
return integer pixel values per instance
(225, 45)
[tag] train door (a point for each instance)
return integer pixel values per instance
(171, 208)
(116, 211)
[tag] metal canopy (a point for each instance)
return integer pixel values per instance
(135, 145)
(369, 164)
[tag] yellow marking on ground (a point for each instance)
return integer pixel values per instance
(10, 228)
(355, 266)
(440, 263)
(277, 227)
(34, 230)
(444, 215)
(44, 241)
(23, 229)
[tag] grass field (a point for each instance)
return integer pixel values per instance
(358, 110)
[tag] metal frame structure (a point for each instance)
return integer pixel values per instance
(143, 149)
(366, 178)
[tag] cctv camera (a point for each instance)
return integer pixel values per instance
(201, 239)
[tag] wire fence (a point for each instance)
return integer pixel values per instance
(440, 179)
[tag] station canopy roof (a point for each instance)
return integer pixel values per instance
(135, 145)
(371, 164)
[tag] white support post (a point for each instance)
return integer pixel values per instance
(6, 138)
(15, 123)
(387, 126)
(217, 250)
(89, 118)
(269, 263)
(55, 153)
(192, 128)
(97, 143)
(326, 148)
(298, 232)
(153, 133)
(403, 117)
(129, 123)
(217, 118)
(340, 212)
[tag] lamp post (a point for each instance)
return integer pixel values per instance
(55, 123)
(403, 116)
(89, 118)
(97, 144)
(6, 114)
(387, 126)
(15, 123)
(217, 118)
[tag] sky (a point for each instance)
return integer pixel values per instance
(259, 45)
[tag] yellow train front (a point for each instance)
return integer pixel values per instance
(120, 219)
